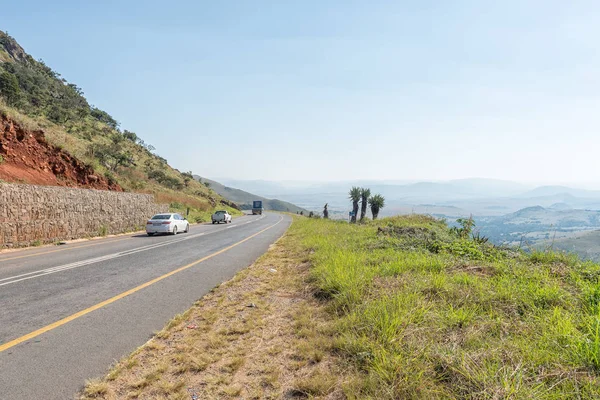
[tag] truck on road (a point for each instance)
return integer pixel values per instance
(257, 207)
(221, 216)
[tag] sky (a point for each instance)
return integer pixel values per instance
(339, 89)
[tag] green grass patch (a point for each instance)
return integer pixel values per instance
(423, 313)
(103, 230)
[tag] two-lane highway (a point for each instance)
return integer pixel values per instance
(67, 313)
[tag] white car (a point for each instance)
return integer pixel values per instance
(167, 223)
(221, 216)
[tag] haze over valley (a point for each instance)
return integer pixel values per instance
(505, 211)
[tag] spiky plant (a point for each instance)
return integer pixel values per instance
(364, 198)
(377, 202)
(354, 196)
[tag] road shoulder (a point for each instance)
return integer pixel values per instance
(262, 334)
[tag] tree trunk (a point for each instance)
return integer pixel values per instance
(375, 212)
(363, 209)
(354, 211)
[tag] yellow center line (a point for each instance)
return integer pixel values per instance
(88, 310)
(67, 248)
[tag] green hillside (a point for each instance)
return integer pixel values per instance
(245, 199)
(585, 244)
(421, 311)
(38, 98)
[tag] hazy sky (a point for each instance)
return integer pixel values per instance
(334, 90)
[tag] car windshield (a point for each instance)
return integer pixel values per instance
(220, 212)
(162, 216)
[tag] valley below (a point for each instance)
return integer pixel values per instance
(504, 212)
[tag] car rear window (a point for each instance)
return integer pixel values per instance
(162, 216)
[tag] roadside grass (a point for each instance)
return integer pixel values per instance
(95, 389)
(103, 230)
(424, 314)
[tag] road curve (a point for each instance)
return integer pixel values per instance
(67, 313)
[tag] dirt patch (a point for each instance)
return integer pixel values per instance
(28, 158)
(407, 232)
(475, 269)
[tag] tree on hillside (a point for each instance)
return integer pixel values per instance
(104, 117)
(354, 195)
(364, 198)
(326, 211)
(9, 87)
(112, 155)
(130, 136)
(467, 225)
(377, 202)
(187, 178)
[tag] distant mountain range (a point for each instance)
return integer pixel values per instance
(477, 196)
(244, 199)
(463, 188)
(547, 191)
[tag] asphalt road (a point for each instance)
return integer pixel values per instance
(68, 312)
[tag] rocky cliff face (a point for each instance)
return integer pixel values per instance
(26, 157)
(12, 48)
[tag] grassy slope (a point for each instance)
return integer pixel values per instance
(586, 245)
(405, 309)
(245, 199)
(424, 314)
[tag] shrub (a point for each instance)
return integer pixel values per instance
(165, 180)
(103, 230)
(110, 177)
(466, 227)
(130, 136)
(9, 87)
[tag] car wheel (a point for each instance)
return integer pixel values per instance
(150, 233)
(213, 222)
(174, 230)
(187, 228)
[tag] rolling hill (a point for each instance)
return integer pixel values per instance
(538, 224)
(244, 199)
(586, 245)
